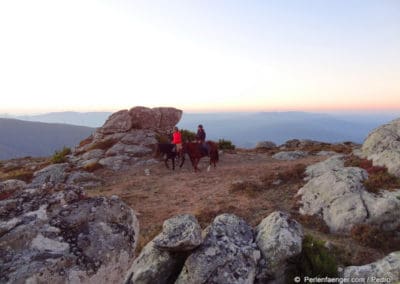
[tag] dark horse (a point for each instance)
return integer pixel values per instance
(168, 151)
(195, 152)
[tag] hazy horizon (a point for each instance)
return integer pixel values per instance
(355, 112)
(199, 56)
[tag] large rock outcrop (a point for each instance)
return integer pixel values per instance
(382, 146)
(278, 238)
(386, 270)
(55, 234)
(161, 260)
(128, 137)
(289, 155)
(64, 174)
(337, 195)
(231, 251)
(228, 254)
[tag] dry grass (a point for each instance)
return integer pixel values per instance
(146, 235)
(378, 177)
(250, 188)
(343, 148)
(86, 141)
(91, 167)
(22, 168)
(102, 145)
(374, 237)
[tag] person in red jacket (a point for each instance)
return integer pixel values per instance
(177, 140)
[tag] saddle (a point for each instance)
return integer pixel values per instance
(204, 149)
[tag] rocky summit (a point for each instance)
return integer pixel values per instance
(127, 138)
(264, 215)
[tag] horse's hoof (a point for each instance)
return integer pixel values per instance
(208, 168)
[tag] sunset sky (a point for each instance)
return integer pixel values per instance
(88, 55)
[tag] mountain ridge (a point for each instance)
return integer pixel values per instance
(24, 138)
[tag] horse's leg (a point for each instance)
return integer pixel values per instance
(182, 156)
(166, 162)
(197, 160)
(173, 163)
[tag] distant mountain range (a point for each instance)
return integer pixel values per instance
(246, 129)
(89, 119)
(23, 138)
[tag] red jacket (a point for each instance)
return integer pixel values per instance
(176, 138)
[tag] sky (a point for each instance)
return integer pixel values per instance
(205, 55)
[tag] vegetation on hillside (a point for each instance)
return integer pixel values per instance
(61, 155)
(378, 177)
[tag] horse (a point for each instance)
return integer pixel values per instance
(170, 153)
(195, 153)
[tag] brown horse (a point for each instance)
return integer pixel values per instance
(195, 153)
(169, 153)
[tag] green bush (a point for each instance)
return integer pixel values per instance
(60, 156)
(225, 145)
(188, 135)
(315, 260)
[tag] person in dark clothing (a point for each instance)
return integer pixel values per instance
(201, 134)
(201, 139)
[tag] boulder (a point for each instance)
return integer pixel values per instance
(140, 137)
(55, 234)
(169, 118)
(145, 118)
(290, 155)
(93, 154)
(337, 195)
(128, 150)
(386, 270)
(382, 146)
(117, 162)
(84, 179)
(161, 260)
(54, 174)
(278, 238)
(11, 185)
(118, 122)
(333, 163)
(265, 145)
(161, 119)
(155, 266)
(180, 233)
(127, 138)
(228, 254)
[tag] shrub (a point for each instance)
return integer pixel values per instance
(378, 177)
(291, 175)
(315, 260)
(60, 156)
(313, 221)
(250, 188)
(225, 144)
(381, 180)
(367, 235)
(188, 135)
(163, 139)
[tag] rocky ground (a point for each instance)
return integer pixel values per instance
(303, 208)
(235, 186)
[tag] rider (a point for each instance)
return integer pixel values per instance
(201, 138)
(177, 140)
